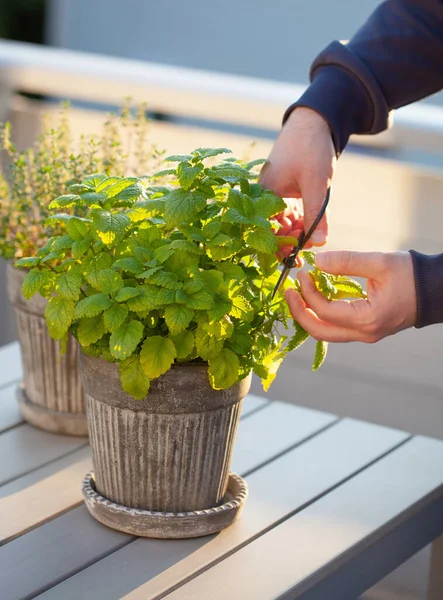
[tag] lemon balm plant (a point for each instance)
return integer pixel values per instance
(167, 288)
(51, 395)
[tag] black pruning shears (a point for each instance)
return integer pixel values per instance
(289, 261)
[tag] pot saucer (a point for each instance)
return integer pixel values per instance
(169, 525)
(67, 423)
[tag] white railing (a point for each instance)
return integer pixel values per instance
(187, 92)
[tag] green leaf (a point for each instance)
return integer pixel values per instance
(184, 343)
(79, 188)
(178, 157)
(234, 216)
(178, 317)
(109, 281)
(94, 180)
(115, 189)
(80, 247)
(92, 306)
(207, 345)
(32, 282)
(231, 271)
(165, 279)
(321, 349)
(145, 209)
(94, 265)
(77, 228)
(114, 316)
(300, 336)
(126, 293)
(134, 380)
(129, 264)
(308, 256)
(110, 226)
(211, 229)
(323, 283)
(187, 246)
(163, 173)
(240, 308)
(90, 330)
(187, 174)
(56, 219)
(223, 369)
(59, 313)
(66, 201)
(164, 296)
(30, 261)
(271, 363)
(182, 206)
(107, 182)
(254, 163)
(203, 153)
(146, 300)
(268, 263)
(67, 285)
(347, 288)
(93, 198)
(262, 240)
(62, 243)
(268, 205)
(125, 339)
(157, 355)
(163, 253)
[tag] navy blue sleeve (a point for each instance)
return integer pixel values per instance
(396, 58)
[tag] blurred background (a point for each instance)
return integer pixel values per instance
(238, 65)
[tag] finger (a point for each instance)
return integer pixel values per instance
(286, 226)
(313, 199)
(319, 329)
(371, 265)
(277, 175)
(348, 314)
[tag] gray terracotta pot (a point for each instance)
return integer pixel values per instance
(169, 452)
(51, 395)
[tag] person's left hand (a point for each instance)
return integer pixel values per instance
(390, 305)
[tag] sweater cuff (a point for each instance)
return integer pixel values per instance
(341, 100)
(428, 275)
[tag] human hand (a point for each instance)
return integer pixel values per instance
(301, 165)
(390, 305)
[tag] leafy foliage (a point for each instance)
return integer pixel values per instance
(150, 275)
(53, 167)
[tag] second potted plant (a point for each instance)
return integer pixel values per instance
(171, 303)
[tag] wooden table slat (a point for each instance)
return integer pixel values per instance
(295, 556)
(21, 558)
(10, 364)
(148, 568)
(26, 448)
(10, 415)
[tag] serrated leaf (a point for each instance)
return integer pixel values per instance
(231, 271)
(148, 273)
(56, 219)
(184, 343)
(62, 243)
(206, 344)
(115, 189)
(125, 339)
(145, 209)
(187, 174)
(114, 316)
(79, 188)
(309, 257)
(187, 246)
(234, 216)
(26, 263)
(67, 285)
(80, 247)
(165, 279)
(32, 282)
(77, 228)
(300, 336)
(50, 257)
(134, 380)
(323, 283)
(129, 194)
(107, 182)
(219, 240)
(92, 198)
(65, 201)
(321, 349)
(109, 281)
(182, 206)
(178, 157)
(92, 306)
(164, 296)
(157, 355)
(223, 369)
(268, 205)
(240, 307)
(271, 363)
(90, 330)
(178, 317)
(130, 264)
(262, 240)
(59, 313)
(254, 163)
(93, 266)
(225, 251)
(268, 263)
(163, 253)
(94, 180)
(163, 173)
(347, 288)
(145, 300)
(110, 226)
(211, 229)
(203, 153)
(126, 293)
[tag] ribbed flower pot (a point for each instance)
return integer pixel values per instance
(161, 464)
(51, 395)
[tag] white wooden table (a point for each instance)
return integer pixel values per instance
(334, 505)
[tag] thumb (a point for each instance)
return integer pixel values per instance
(313, 198)
(369, 265)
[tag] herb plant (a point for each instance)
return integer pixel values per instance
(39, 174)
(153, 274)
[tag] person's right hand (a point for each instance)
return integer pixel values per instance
(301, 165)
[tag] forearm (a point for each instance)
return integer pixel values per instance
(428, 275)
(396, 58)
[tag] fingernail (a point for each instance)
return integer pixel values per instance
(318, 238)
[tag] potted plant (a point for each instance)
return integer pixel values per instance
(51, 396)
(170, 300)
